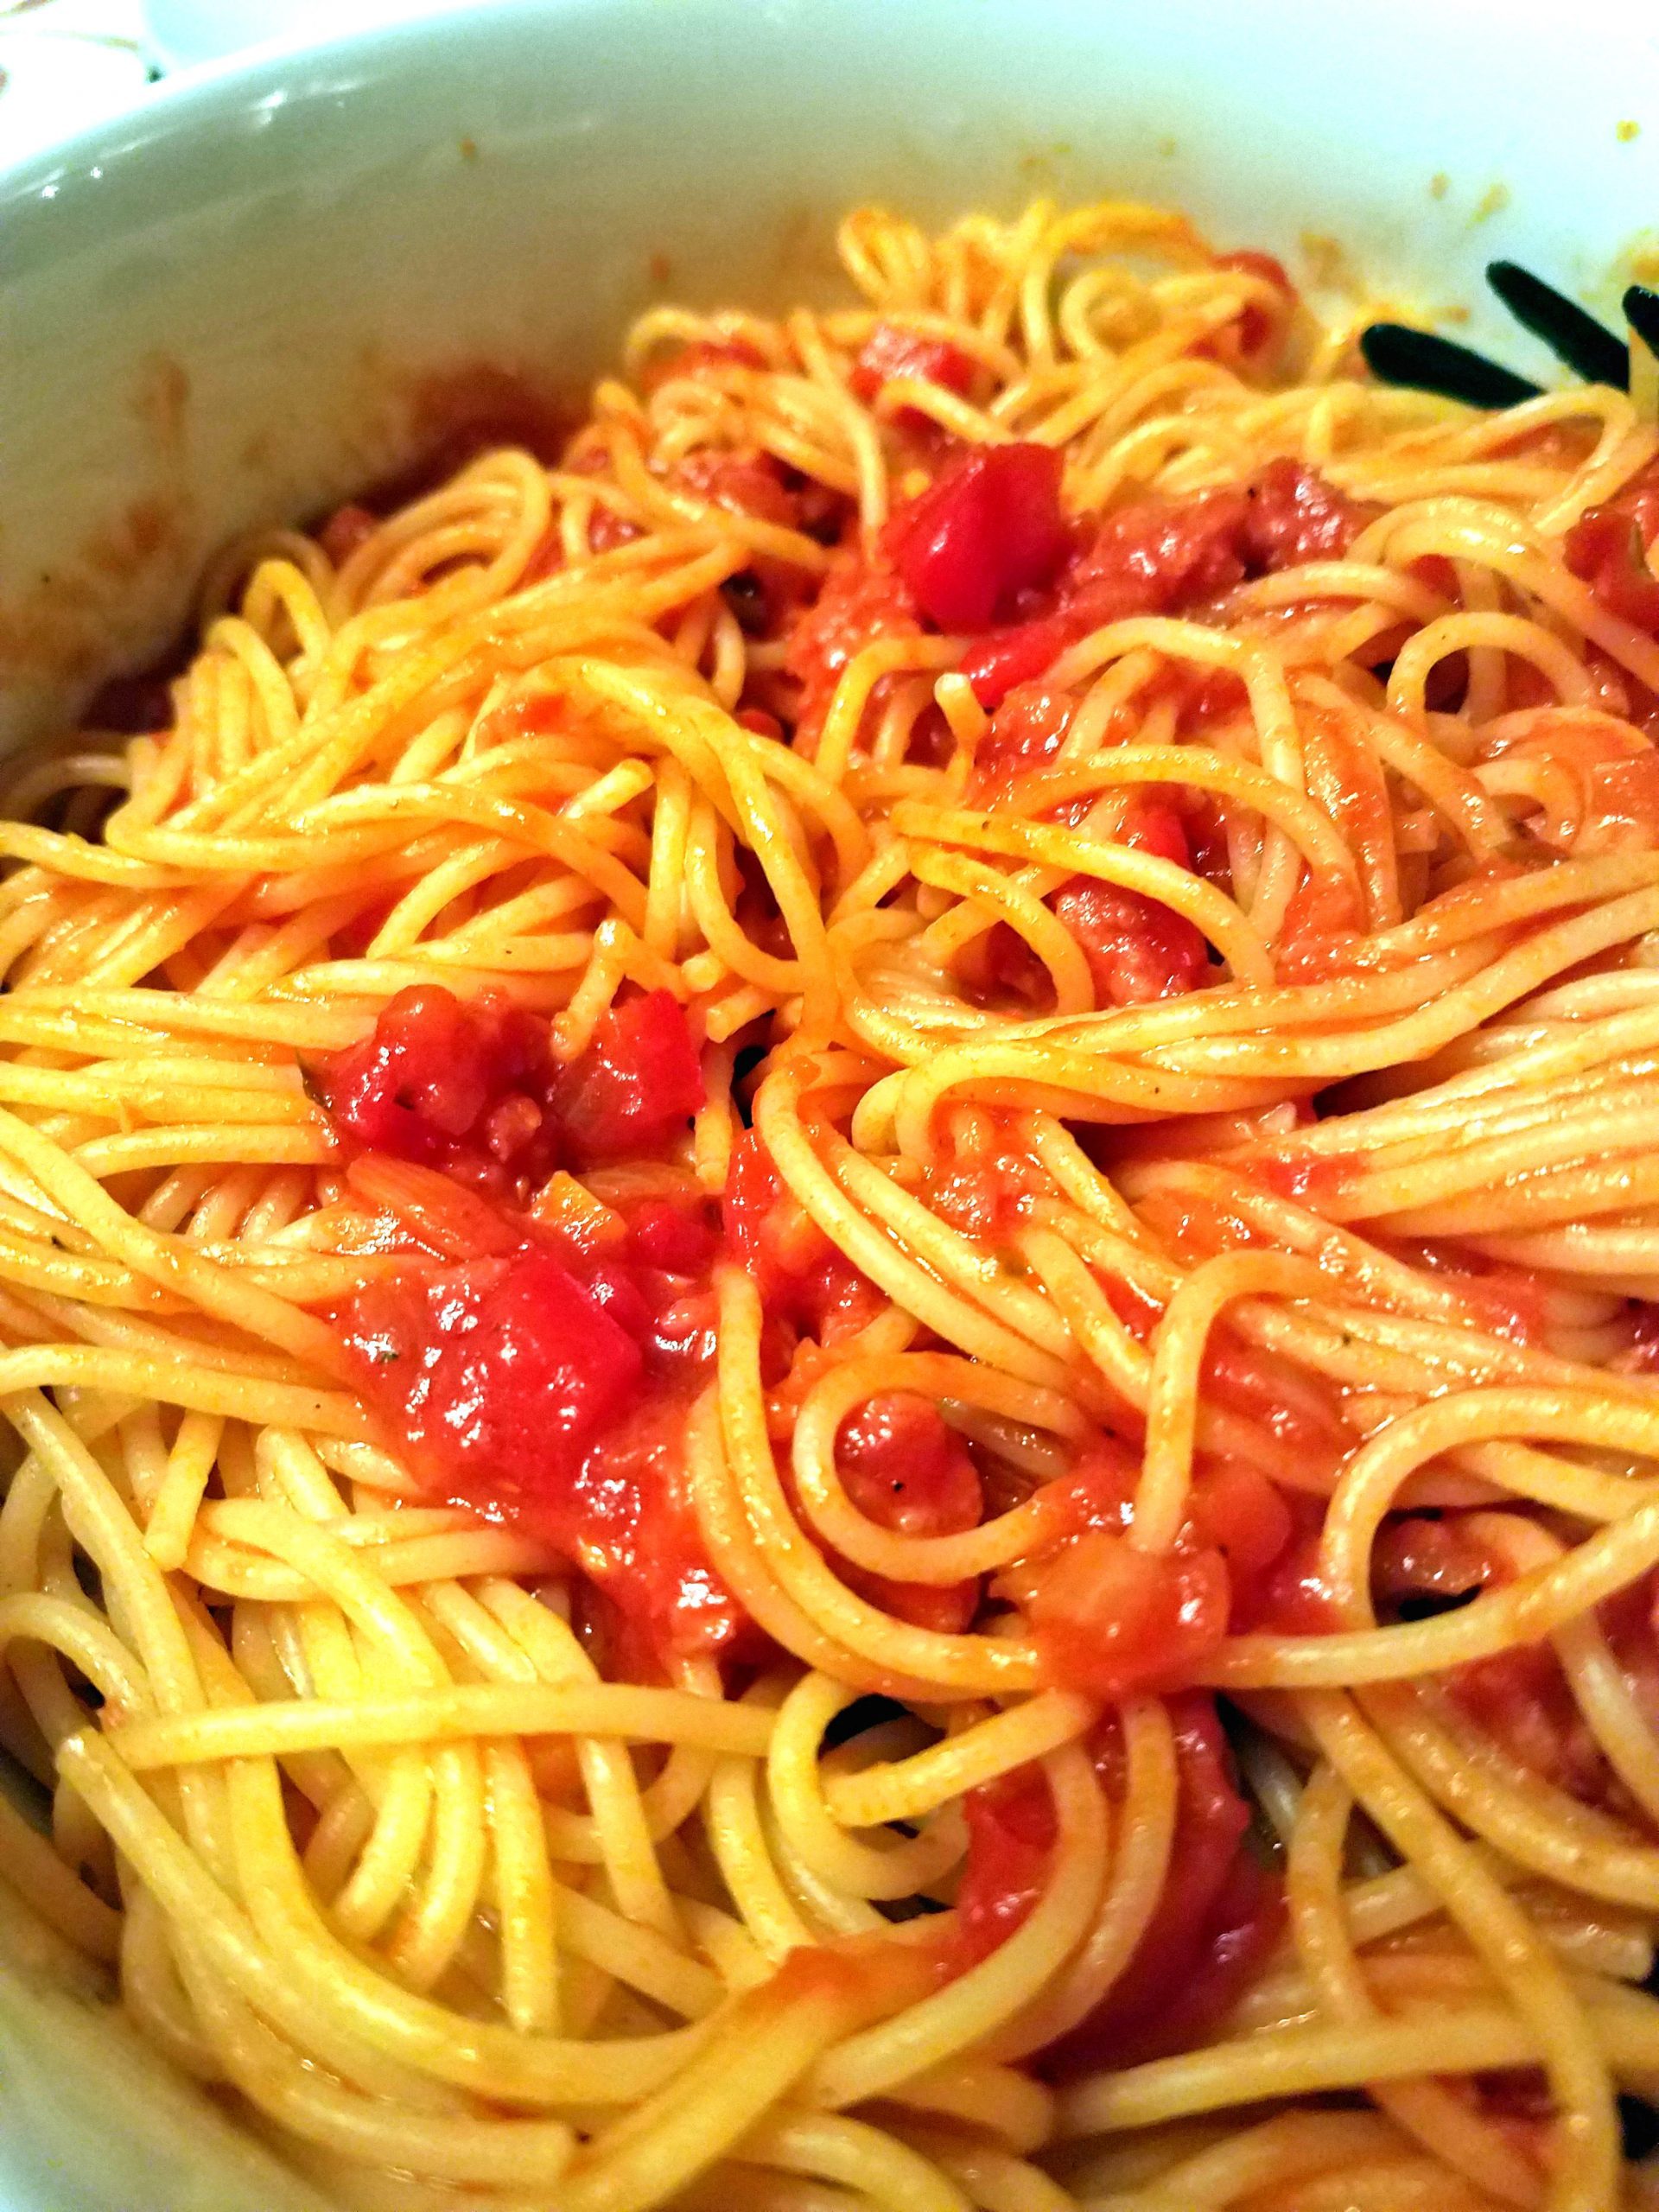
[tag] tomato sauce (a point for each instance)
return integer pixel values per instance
(1607, 549)
(906, 1469)
(1217, 1920)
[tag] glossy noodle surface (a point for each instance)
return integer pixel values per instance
(829, 1282)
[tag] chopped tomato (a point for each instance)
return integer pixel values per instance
(905, 1469)
(1607, 549)
(1025, 731)
(987, 529)
(1295, 516)
(549, 1388)
(1015, 656)
(860, 602)
(1258, 325)
(1010, 1839)
(1237, 1512)
(1107, 1619)
(636, 1086)
(455, 1083)
(1308, 1178)
(1215, 1924)
(748, 483)
(1137, 950)
(806, 1283)
(1293, 1599)
(891, 352)
(346, 528)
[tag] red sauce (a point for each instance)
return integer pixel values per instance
(1217, 1921)
(859, 603)
(1308, 1178)
(548, 1387)
(1607, 549)
(1107, 1618)
(1258, 328)
(890, 353)
(906, 1469)
(808, 1286)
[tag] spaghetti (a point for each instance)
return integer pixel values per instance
(827, 1266)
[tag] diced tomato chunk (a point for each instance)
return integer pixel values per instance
(860, 602)
(989, 529)
(749, 483)
(806, 1283)
(635, 1086)
(504, 1368)
(1107, 1619)
(1607, 549)
(1258, 325)
(346, 528)
(1013, 657)
(436, 1078)
(1295, 516)
(905, 1469)
(1215, 1924)
(891, 352)
(1137, 950)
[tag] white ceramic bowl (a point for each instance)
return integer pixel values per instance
(228, 307)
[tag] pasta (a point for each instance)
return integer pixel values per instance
(828, 1255)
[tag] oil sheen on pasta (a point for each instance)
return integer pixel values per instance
(830, 1276)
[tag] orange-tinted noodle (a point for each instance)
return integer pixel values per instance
(828, 1256)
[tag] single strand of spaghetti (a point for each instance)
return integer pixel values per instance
(843, 1862)
(1234, 937)
(440, 1906)
(525, 1892)
(84, 1638)
(639, 1956)
(960, 1663)
(903, 1788)
(1423, 2109)
(968, 2009)
(743, 1852)
(1123, 1360)
(1141, 1867)
(622, 1711)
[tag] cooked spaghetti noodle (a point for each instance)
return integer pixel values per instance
(828, 1255)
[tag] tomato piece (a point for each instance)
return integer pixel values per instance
(439, 1077)
(502, 1369)
(806, 1283)
(1216, 1922)
(1137, 950)
(1107, 1619)
(743, 483)
(1237, 1511)
(1295, 516)
(636, 1086)
(860, 602)
(989, 529)
(1257, 326)
(891, 352)
(1010, 1835)
(904, 1468)
(346, 528)
(1607, 549)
